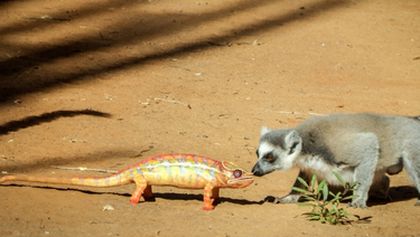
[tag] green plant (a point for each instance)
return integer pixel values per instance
(325, 204)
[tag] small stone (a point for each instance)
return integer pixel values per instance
(46, 17)
(109, 97)
(108, 207)
(256, 42)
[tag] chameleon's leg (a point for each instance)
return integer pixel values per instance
(141, 186)
(209, 195)
(215, 193)
(148, 194)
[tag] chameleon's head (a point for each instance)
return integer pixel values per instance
(235, 176)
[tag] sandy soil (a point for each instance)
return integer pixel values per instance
(191, 76)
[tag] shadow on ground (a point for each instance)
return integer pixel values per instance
(396, 194)
(22, 75)
(120, 155)
(167, 196)
(30, 121)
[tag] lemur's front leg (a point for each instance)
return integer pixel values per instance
(368, 153)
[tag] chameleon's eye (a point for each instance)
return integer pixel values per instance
(237, 173)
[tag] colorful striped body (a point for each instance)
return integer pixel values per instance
(177, 170)
(184, 171)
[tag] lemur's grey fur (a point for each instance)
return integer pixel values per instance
(361, 148)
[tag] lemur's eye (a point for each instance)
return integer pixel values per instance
(269, 158)
(237, 173)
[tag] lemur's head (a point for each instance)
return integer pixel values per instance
(277, 150)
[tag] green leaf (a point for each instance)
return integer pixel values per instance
(334, 209)
(333, 194)
(300, 190)
(306, 204)
(339, 178)
(323, 188)
(303, 182)
(308, 199)
(313, 181)
(347, 198)
(314, 218)
(336, 197)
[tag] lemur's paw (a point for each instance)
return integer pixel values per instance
(358, 204)
(292, 198)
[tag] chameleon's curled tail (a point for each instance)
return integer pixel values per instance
(110, 181)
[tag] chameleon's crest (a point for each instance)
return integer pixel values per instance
(229, 166)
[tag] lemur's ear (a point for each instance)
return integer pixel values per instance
(264, 130)
(293, 141)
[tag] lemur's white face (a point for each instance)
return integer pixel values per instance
(279, 156)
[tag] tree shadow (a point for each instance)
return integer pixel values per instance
(60, 16)
(29, 121)
(120, 155)
(11, 86)
(4, 3)
(149, 26)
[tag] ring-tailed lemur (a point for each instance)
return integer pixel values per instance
(361, 148)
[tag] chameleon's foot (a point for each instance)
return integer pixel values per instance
(210, 194)
(134, 201)
(140, 189)
(208, 207)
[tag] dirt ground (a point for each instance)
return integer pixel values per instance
(102, 84)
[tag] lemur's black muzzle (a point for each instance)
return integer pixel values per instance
(256, 170)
